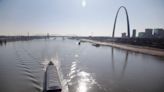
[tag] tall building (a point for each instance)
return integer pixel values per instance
(134, 33)
(159, 33)
(148, 33)
(141, 34)
(123, 35)
(48, 35)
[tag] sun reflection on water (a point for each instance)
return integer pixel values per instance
(80, 81)
(82, 87)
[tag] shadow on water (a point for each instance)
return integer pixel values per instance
(3, 42)
(112, 56)
(124, 65)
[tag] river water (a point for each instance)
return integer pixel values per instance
(82, 68)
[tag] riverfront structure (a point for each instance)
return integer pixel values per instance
(152, 33)
(159, 33)
(134, 33)
(127, 18)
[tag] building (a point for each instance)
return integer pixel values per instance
(134, 33)
(141, 34)
(159, 33)
(123, 35)
(148, 33)
(48, 34)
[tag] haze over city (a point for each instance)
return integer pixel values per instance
(81, 45)
(77, 17)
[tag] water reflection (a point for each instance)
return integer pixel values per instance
(124, 65)
(112, 57)
(82, 87)
(3, 42)
(21, 72)
(79, 80)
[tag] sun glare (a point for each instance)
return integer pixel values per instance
(84, 3)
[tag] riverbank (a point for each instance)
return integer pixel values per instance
(139, 49)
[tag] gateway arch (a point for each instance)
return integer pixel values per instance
(127, 18)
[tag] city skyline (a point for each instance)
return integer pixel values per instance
(77, 17)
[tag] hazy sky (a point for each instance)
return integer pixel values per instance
(79, 17)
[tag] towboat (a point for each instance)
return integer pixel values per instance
(51, 81)
(96, 45)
